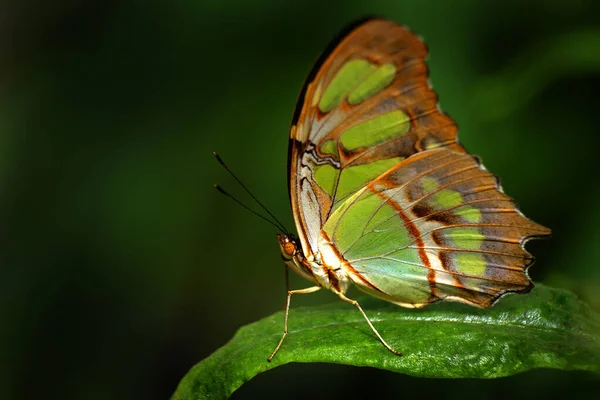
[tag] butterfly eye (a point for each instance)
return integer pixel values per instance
(289, 248)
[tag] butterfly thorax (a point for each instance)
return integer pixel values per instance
(312, 269)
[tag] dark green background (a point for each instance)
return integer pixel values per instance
(122, 267)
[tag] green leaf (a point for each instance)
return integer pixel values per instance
(547, 328)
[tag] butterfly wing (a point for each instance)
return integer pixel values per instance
(435, 227)
(366, 106)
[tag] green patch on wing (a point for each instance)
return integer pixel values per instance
(351, 178)
(466, 238)
(376, 130)
(471, 264)
(356, 177)
(428, 184)
(446, 198)
(381, 216)
(370, 234)
(329, 147)
(346, 224)
(469, 214)
(376, 82)
(347, 79)
(365, 226)
(325, 176)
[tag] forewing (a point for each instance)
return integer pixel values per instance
(435, 227)
(366, 106)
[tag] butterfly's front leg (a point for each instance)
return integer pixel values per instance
(287, 282)
(287, 310)
(355, 303)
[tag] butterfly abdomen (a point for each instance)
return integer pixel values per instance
(332, 267)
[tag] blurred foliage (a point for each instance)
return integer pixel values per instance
(122, 267)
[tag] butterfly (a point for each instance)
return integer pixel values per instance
(383, 195)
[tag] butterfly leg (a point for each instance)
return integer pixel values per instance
(355, 303)
(287, 311)
(287, 282)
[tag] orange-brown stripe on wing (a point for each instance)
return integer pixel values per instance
(416, 234)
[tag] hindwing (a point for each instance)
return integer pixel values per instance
(437, 226)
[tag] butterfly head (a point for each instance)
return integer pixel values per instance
(289, 246)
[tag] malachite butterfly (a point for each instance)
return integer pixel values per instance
(383, 195)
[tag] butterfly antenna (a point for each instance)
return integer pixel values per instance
(220, 160)
(220, 189)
